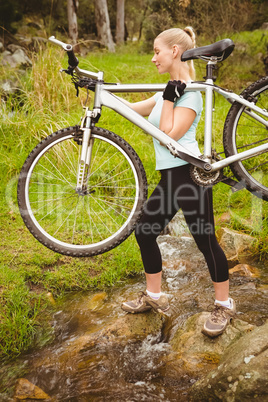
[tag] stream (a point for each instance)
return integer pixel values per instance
(135, 370)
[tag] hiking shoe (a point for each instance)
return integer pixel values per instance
(145, 303)
(219, 319)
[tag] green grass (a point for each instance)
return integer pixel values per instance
(46, 103)
(18, 316)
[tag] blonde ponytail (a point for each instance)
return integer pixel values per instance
(189, 30)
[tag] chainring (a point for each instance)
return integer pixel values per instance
(205, 179)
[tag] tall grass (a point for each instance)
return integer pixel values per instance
(45, 103)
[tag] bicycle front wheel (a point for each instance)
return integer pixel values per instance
(241, 132)
(75, 223)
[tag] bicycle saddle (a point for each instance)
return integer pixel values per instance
(221, 50)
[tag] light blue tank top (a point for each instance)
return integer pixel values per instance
(191, 100)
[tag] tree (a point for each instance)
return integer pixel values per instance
(103, 24)
(72, 7)
(120, 21)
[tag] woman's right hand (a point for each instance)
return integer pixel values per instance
(174, 90)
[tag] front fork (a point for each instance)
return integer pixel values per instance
(83, 172)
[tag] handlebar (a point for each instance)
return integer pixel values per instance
(72, 59)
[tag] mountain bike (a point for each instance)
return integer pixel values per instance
(82, 189)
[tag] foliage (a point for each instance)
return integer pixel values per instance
(209, 21)
(247, 62)
(143, 19)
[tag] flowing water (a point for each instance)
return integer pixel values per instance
(137, 370)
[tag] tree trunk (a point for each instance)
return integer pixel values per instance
(103, 24)
(72, 6)
(120, 21)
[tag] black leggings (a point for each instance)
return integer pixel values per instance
(174, 191)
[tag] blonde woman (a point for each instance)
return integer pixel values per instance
(177, 114)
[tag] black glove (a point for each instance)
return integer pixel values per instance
(174, 90)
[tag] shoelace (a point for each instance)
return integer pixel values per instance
(218, 314)
(141, 295)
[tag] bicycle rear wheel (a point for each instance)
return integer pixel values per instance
(72, 223)
(242, 132)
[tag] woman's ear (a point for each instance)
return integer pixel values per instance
(175, 51)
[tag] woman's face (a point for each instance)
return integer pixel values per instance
(163, 56)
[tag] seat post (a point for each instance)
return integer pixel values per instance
(211, 66)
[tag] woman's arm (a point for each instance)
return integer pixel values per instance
(176, 121)
(144, 107)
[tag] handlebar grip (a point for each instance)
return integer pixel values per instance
(72, 59)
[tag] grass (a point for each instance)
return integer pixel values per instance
(29, 272)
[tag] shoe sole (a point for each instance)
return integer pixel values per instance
(129, 310)
(212, 335)
(219, 332)
(159, 310)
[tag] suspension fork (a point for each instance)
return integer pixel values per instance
(83, 172)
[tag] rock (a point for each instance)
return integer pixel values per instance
(131, 327)
(177, 226)
(124, 330)
(50, 298)
(224, 218)
(6, 53)
(39, 39)
(247, 287)
(265, 26)
(36, 43)
(180, 249)
(197, 352)
(16, 59)
(26, 390)
(9, 87)
(12, 48)
(97, 301)
(242, 374)
(263, 288)
(237, 246)
(246, 270)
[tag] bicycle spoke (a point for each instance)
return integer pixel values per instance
(99, 217)
(244, 132)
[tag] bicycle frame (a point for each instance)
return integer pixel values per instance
(104, 96)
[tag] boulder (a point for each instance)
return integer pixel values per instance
(177, 226)
(9, 87)
(18, 58)
(130, 327)
(199, 354)
(237, 246)
(180, 251)
(120, 332)
(12, 47)
(242, 374)
(245, 270)
(25, 390)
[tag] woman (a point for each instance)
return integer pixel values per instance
(177, 114)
